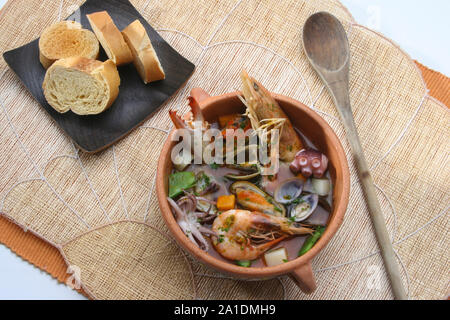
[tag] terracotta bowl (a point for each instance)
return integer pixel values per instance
(320, 133)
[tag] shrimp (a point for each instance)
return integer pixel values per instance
(262, 108)
(245, 235)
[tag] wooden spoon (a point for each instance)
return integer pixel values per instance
(326, 46)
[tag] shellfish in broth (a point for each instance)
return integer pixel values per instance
(237, 212)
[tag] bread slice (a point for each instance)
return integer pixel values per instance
(110, 37)
(66, 39)
(82, 85)
(144, 56)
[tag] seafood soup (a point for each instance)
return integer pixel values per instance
(253, 213)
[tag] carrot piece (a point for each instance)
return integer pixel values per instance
(224, 120)
(226, 202)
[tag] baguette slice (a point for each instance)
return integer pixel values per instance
(144, 56)
(82, 85)
(110, 37)
(66, 39)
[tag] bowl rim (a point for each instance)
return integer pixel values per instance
(256, 272)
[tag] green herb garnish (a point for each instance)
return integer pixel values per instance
(244, 263)
(298, 201)
(203, 181)
(229, 221)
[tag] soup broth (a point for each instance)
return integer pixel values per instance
(320, 216)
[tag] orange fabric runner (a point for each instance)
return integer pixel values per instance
(437, 83)
(47, 258)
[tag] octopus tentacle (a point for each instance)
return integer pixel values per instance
(310, 162)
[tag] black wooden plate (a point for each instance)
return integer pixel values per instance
(136, 101)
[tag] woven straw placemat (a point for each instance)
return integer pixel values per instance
(98, 214)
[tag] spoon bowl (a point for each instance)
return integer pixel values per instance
(325, 42)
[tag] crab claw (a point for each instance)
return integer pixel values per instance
(177, 121)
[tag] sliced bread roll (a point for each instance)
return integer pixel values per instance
(82, 85)
(66, 39)
(144, 56)
(110, 37)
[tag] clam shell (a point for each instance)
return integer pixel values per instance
(305, 208)
(288, 190)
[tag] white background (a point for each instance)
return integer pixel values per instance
(421, 30)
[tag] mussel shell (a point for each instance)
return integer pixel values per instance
(288, 190)
(248, 167)
(250, 186)
(242, 177)
(302, 211)
(249, 151)
(249, 172)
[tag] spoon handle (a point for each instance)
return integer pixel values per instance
(387, 251)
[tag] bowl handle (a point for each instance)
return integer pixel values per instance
(199, 95)
(304, 278)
